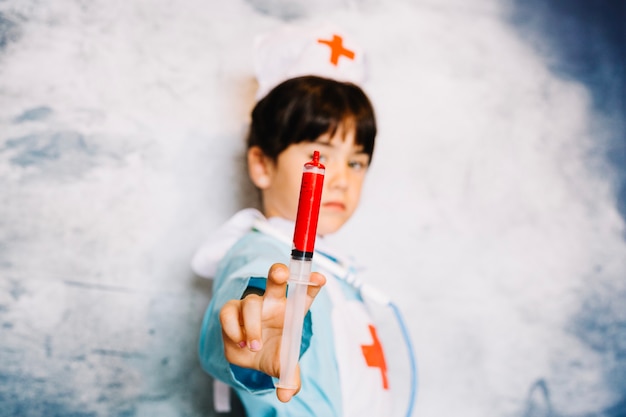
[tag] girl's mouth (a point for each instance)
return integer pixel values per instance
(334, 205)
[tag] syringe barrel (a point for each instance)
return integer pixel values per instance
(300, 269)
(299, 272)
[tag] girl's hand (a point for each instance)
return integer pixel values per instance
(252, 327)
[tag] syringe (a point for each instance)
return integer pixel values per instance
(300, 269)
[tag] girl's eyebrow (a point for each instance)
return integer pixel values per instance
(324, 141)
(357, 149)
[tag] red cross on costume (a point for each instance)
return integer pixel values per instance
(375, 357)
(337, 49)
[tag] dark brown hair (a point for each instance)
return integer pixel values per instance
(304, 108)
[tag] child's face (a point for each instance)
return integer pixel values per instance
(346, 165)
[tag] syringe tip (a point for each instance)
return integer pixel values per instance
(316, 157)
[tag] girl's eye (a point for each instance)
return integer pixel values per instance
(323, 158)
(357, 165)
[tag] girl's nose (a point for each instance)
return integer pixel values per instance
(337, 176)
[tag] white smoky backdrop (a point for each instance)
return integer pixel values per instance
(488, 214)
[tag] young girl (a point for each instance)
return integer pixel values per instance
(342, 367)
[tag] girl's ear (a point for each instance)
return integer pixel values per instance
(259, 168)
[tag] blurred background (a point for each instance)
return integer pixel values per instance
(493, 212)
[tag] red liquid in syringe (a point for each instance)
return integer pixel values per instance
(308, 208)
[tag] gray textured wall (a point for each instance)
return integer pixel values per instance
(121, 132)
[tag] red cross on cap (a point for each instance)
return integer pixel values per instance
(336, 49)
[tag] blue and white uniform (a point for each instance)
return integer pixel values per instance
(343, 367)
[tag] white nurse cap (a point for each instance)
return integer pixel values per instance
(292, 51)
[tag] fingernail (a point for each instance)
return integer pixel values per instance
(242, 344)
(255, 345)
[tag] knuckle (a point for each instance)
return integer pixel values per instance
(252, 299)
(227, 311)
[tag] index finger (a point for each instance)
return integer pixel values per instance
(278, 277)
(276, 286)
